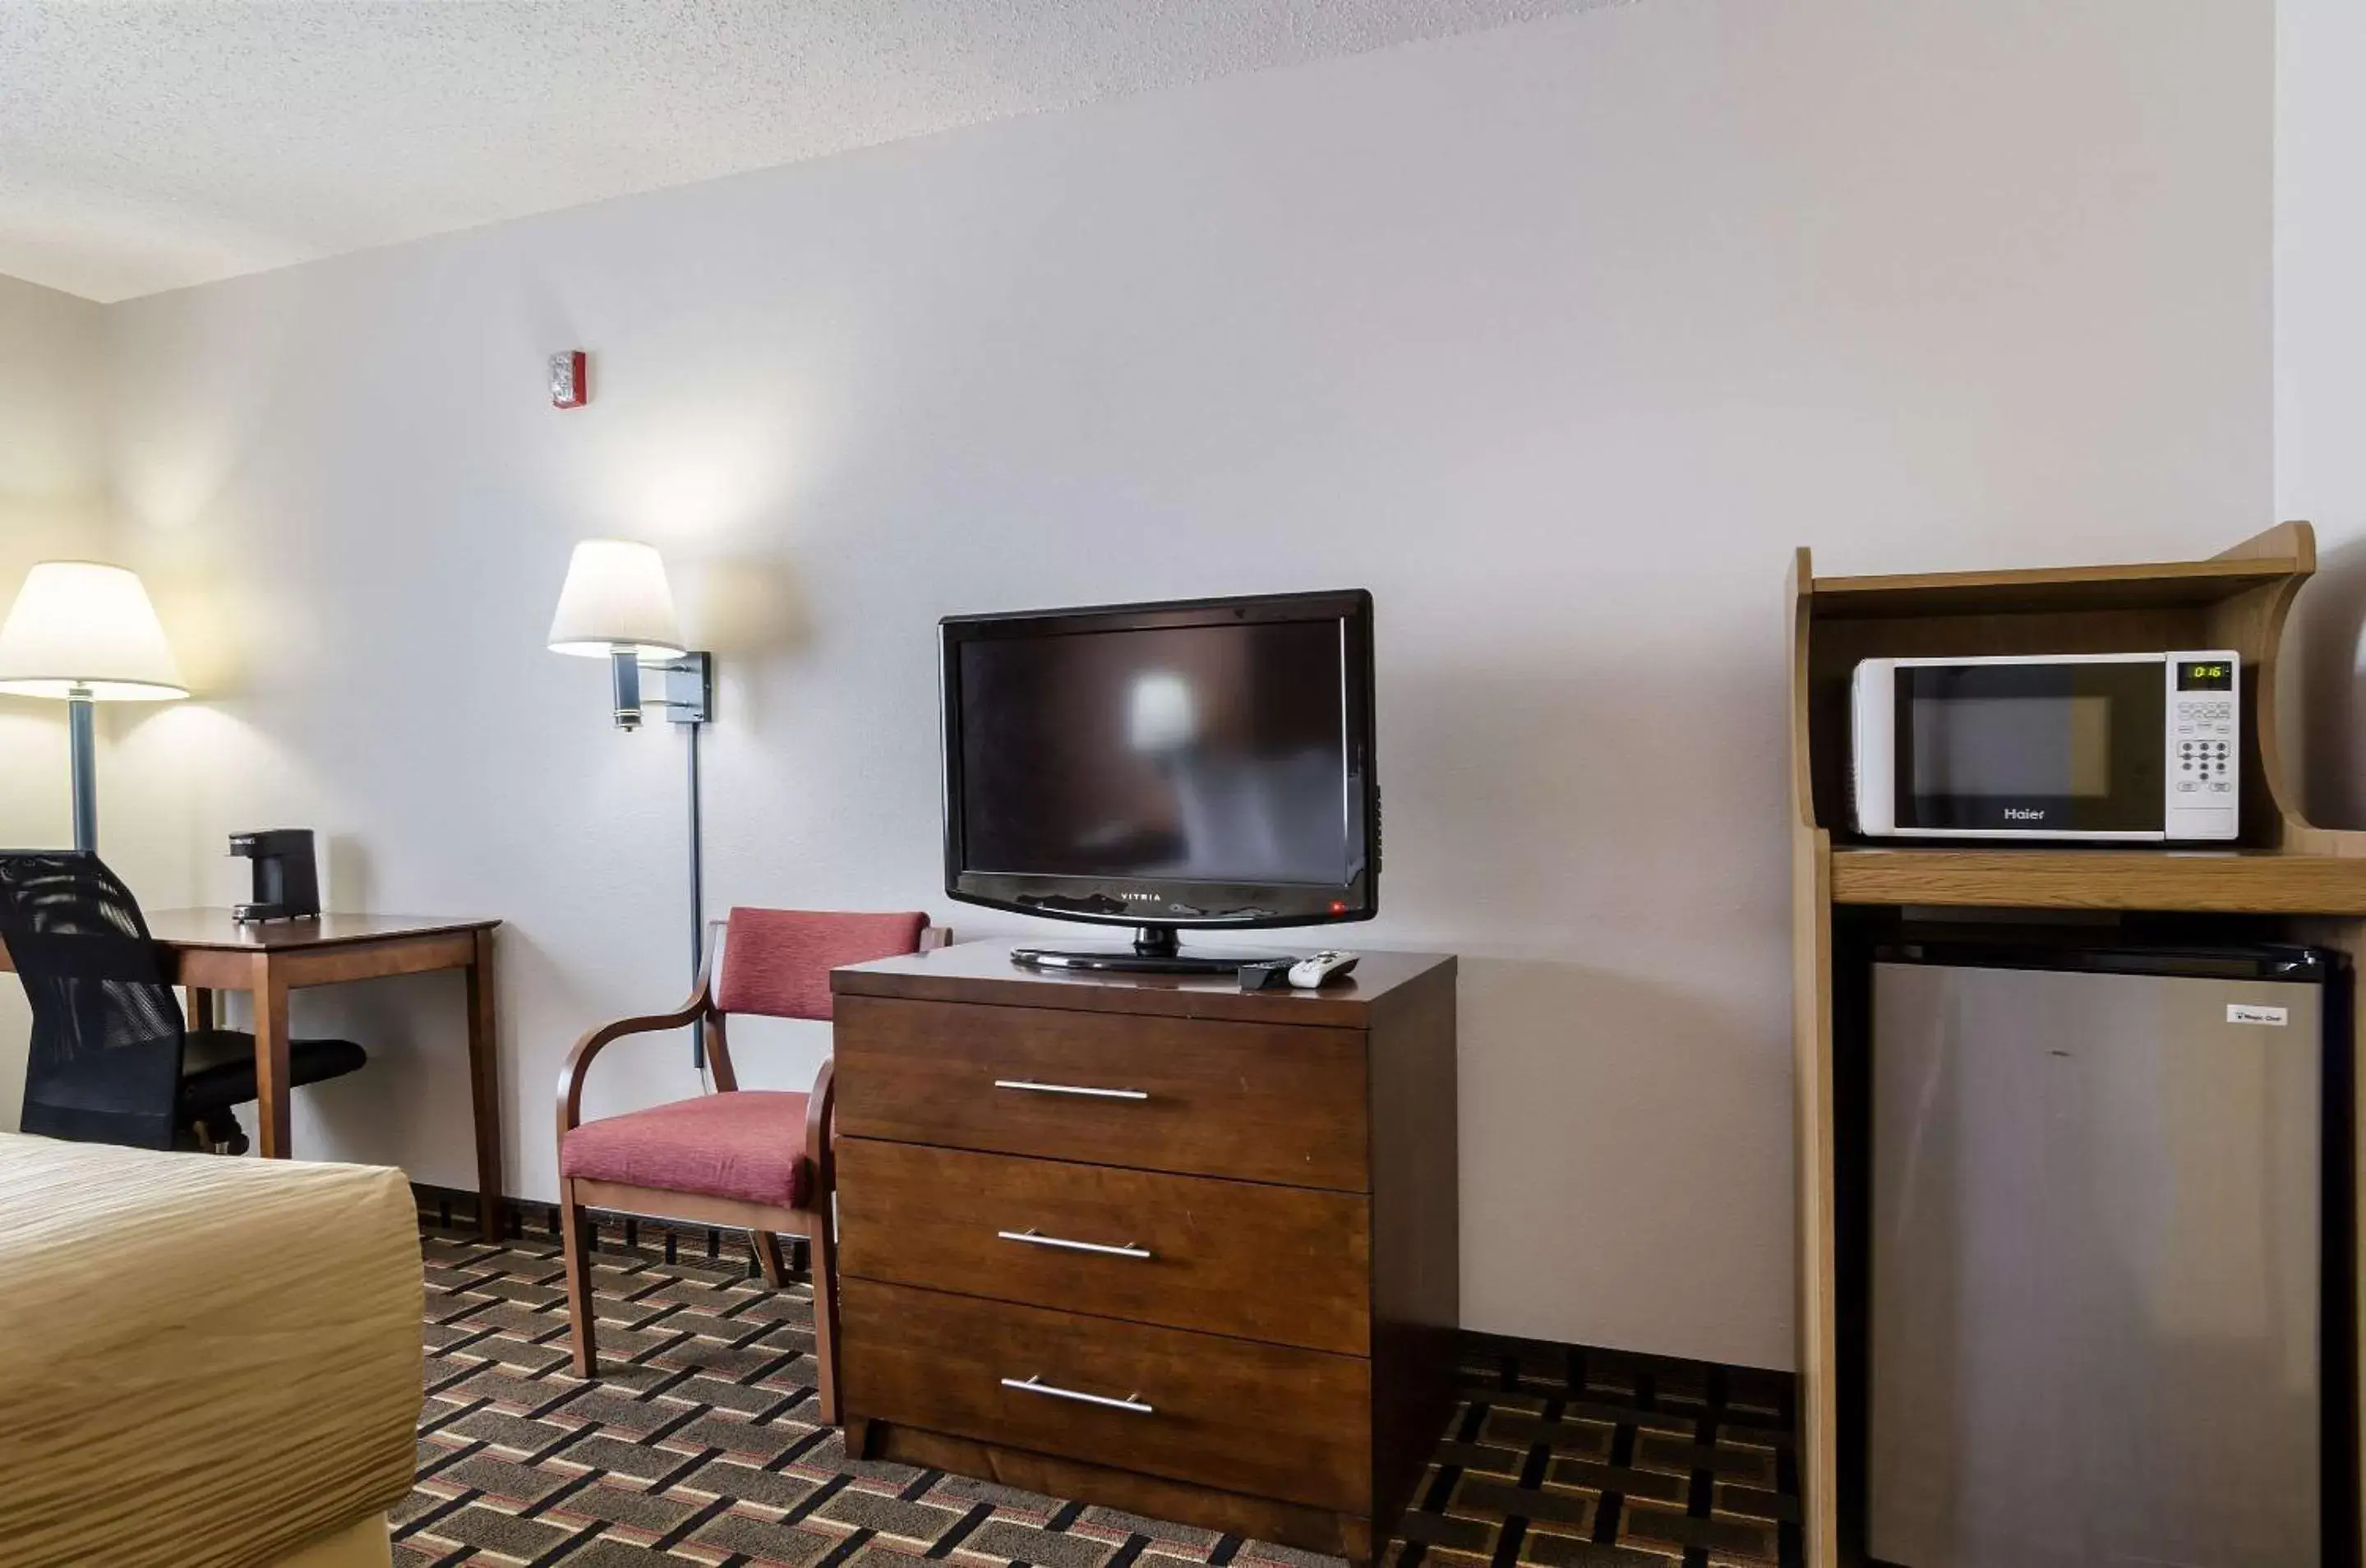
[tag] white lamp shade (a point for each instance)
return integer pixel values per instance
(616, 597)
(80, 628)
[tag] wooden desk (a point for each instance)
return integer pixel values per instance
(209, 952)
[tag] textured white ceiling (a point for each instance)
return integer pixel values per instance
(147, 146)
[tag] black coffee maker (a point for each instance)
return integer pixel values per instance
(287, 882)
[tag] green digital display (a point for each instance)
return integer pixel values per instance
(2205, 675)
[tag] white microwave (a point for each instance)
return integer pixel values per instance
(2135, 746)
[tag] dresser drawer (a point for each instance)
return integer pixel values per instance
(1258, 1102)
(1287, 1264)
(1262, 1419)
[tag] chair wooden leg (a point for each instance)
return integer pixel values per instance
(768, 1257)
(825, 1310)
(582, 1314)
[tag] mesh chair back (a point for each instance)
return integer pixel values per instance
(105, 1060)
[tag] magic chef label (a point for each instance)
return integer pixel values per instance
(2245, 1013)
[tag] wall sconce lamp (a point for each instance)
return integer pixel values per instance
(85, 632)
(617, 605)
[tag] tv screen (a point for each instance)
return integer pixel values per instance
(1199, 764)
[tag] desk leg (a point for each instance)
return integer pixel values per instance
(485, 1085)
(271, 1058)
(200, 1009)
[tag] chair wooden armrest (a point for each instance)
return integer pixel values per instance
(821, 1130)
(698, 1006)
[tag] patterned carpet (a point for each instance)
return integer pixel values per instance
(698, 1445)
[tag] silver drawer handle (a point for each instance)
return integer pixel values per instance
(1037, 1238)
(1037, 1385)
(1033, 1087)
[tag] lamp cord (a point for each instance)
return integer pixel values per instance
(697, 905)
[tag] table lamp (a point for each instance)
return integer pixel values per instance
(617, 605)
(85, 632)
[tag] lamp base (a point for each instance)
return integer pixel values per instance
(624, 678)
(688, 687)
(82, 748)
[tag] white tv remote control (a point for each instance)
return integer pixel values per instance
(1310, 974)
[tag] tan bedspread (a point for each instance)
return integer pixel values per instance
(203, 1360)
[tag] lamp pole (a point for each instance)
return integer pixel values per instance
(697, 895)
(690, 702)
(82, 750)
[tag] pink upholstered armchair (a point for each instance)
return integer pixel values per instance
(752, 1159)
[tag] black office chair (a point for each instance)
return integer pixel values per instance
(112, 1060)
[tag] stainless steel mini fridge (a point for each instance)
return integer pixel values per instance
(2095, 1288)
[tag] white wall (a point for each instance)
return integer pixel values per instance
(51, 488)
(1557, 338)
(2320, 378)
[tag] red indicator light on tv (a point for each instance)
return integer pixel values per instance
(1338, 906)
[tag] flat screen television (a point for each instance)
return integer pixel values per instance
(1203, 764)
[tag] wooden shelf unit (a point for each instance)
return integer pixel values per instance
(2307, 882)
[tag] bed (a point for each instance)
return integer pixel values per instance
(203, 1360)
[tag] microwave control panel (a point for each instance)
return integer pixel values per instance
(2204, 765)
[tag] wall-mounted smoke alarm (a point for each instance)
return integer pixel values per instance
(567, 385)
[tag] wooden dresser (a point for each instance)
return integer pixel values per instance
(1156, 1244)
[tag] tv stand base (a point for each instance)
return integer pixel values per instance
(1157, 950)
